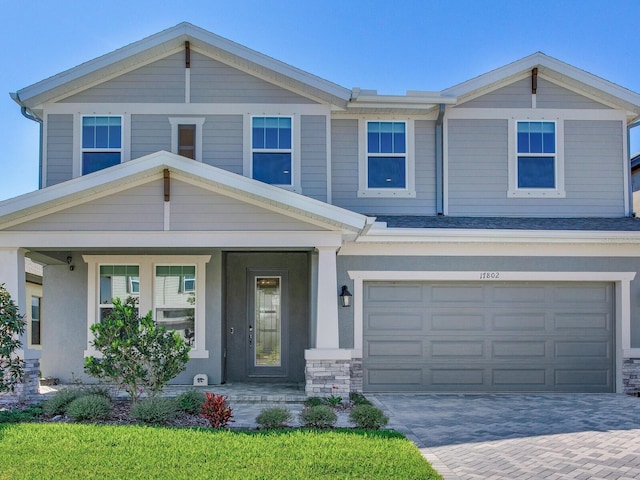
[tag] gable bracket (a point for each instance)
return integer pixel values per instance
(534, 80)
(167, 184)
(187, 54)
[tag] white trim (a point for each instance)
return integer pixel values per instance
(409, 190)
(514, 191)
(33, 290)
(172, 239)
(328, 146)
(147, 265)
(125, 147)
(622, 281)
(176, 122)
(166, 216)
(328, 354)
(187, 85)
(294, 151)
(626, 169)
(45, 150)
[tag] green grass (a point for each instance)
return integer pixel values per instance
(71, 451)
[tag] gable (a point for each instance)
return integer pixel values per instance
(141, 208)
(164, 81)
(518, 95)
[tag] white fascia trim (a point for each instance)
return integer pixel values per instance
(162, 239)
(147, 265)
(622, 281)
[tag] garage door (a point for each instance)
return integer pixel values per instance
(488, 337)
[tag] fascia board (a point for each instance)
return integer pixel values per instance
(150, 167)
(156, 46)
(439, 235)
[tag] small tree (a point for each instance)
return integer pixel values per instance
(11, 326)
(137, 354)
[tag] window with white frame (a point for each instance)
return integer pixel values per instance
(386, 166)
(36, 325)
(272, 150)
(101, 142)
(186, 137)
(171, 287)
(536, 163)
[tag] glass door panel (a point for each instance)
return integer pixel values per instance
(268, 322)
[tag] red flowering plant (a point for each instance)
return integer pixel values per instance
(216, 410)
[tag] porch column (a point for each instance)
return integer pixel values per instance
(327, 366)
(13, 277)
(327, 308)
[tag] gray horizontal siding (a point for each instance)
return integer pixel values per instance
(136, 209)
(222, 142)
(194, 208)
(518, 95)
(314, 156)
(344, 173)
(149, 134)
(215, 82)
(478, 171)
(59, 162)
(162, 81)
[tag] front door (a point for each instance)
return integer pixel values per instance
(266, 316)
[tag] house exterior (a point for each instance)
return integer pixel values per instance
(484, 231)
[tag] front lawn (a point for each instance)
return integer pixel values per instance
(72, 451)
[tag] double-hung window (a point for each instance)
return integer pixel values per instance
(101, 142)
(272, 150)
(117, 281)
(537, 162)
(386, 159)
(175, 299)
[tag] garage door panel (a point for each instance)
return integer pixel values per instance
(399, 293)
(500, 342)
(517, 349)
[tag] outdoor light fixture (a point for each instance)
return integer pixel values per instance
(345, 296)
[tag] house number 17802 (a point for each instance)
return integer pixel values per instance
(489, 275)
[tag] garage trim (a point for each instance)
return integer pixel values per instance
(622, 281)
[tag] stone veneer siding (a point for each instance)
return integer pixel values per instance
(357, 375)
(328, 377)
(28, 390)
(631, 375)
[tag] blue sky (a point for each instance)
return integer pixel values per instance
(391, 46)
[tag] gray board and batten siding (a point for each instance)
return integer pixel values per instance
(478, 171)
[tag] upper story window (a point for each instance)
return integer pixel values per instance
(386, 159)
(186, 137)
(272, 150)
(101, 142)
(537, 168)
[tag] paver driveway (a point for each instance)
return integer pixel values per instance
(572, 436)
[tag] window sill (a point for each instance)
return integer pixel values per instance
(383, 193)
(536, 193)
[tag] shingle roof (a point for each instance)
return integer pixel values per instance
(626, 224)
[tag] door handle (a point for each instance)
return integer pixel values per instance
(250, 335)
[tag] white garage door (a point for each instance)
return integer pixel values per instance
(488, 337)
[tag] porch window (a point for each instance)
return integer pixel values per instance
(174, 302)
(117, 281)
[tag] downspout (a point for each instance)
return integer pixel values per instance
(25, 113)
(440, 162)
(631, 125)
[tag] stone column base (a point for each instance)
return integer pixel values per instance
(631, 375)
(328, 372)
(29, 390)
(357, 375)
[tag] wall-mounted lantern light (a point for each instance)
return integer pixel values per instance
(345, 297)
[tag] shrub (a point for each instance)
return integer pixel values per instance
(216, 410)
(318, 416)
(154, 410)
(57, 404)
(191, 401)
(137, 355)
(12, 325)
(16, 416)
(274, 417)
(358, 399)
(89, 408)
(368, 417)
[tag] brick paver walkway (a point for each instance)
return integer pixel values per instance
(522, 437)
